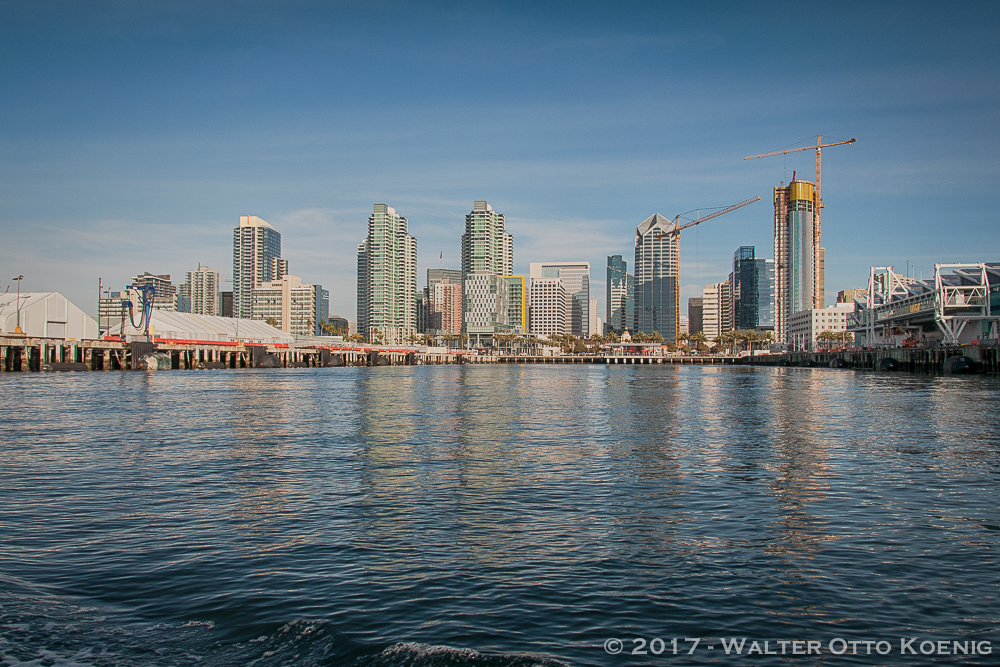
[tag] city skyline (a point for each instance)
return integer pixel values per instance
(596, 118)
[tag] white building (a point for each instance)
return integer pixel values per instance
(297, 308)
(387, 279)
(45, 315)
(715, 319)
(805, 326)
(164, 292)
(256, 245)
(201, 292)
(596, 325)
(166, 325)
(547, 312)
(575, 277)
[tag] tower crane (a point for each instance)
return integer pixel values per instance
(676, 231)
(819, 160)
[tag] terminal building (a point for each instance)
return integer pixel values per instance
(959, 306)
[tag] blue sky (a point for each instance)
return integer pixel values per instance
(133, 134)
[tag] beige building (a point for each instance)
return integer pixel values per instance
(716, 314)
(805, 326)
(548, 306)
(296, 308)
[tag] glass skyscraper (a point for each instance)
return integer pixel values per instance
(620, 295)
(657, 272)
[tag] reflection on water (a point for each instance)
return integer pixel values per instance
(510, 509)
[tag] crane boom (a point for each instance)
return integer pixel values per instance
(814, 147)
(698, 221)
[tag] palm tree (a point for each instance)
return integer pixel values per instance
(682, 337)
(699, 339)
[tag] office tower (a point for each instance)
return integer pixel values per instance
(255, 245)
(164, 294)
(517, 300)
(657, 273)
(716, 314)
(596, 324)
(799, 259)
(695, 315)
(387, 279)
(548, 306)
(620, 295)
(184, 298)
(575, 277)
(298, 309)
(201, 292)
(744, 288)
(486, 247)
(486, 300)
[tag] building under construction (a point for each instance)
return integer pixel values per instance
(798, 256)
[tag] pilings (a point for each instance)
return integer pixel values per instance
(928, 360)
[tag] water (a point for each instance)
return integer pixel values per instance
(494, 515)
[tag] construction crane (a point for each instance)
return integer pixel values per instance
(819, 160)
(676, 231)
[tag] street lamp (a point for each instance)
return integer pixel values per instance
(17, 329)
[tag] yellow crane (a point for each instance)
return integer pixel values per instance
(819, 159)
(676, 231)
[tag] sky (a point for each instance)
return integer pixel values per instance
(134, 134)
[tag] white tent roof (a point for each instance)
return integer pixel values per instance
(46, 315)
(167, 324)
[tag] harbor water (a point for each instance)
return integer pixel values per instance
(498, 515)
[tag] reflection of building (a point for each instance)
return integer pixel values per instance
(799, 260)
(165, 294)
(806, 325)
(255, 245)
(575, 277)
(657, 273)
(298, 309)
(620, 295)
(716, 316)
(387, 278)
(548, 306)
(695, 315)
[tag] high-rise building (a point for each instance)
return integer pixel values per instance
(164, 292)
(435, 301)
(517, 299)
(486, 247)
(201, 291)
(255, 245)
(596, 324)
(716, 313)
(799, 259)
(752, 290)
(487, 256)
(227, 304)
(657, 277)
(387, 278)
(296, 308)
(548, 306)
(620, 295)
(695, 322)
(486, 303)
(575, 277)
